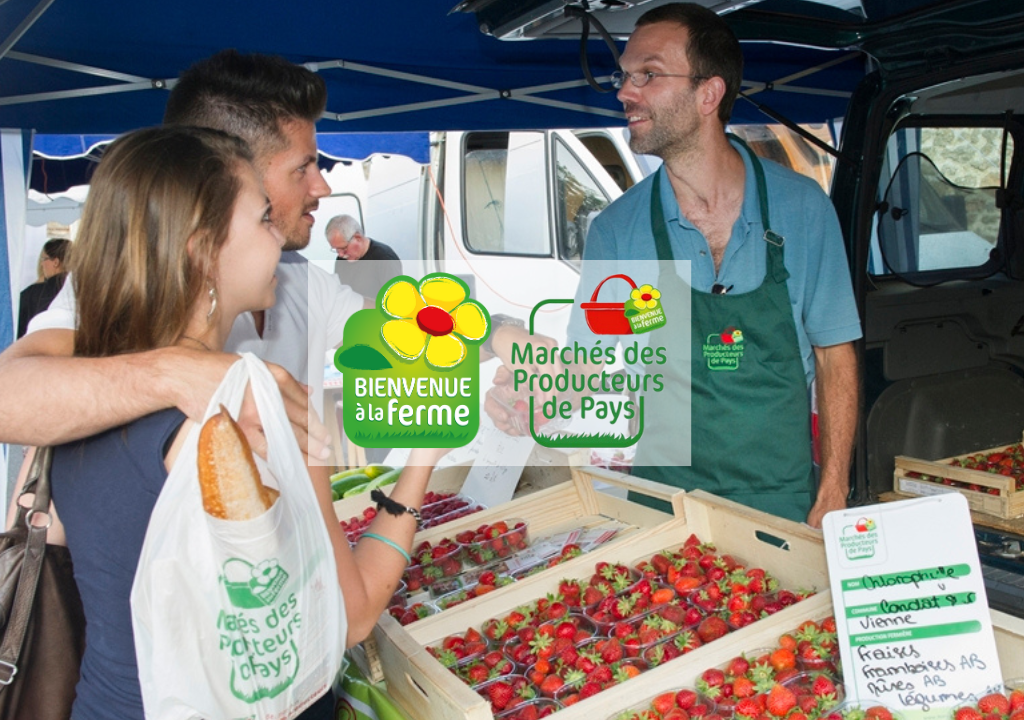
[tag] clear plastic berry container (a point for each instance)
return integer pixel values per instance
(495, 541)
(407, 613)
(805, 687)
(486, 667)
(516, 685)
(531, 710)
(866, 709)
(653, 707)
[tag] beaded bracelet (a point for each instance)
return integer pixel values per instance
(388, 541)
(393, 507)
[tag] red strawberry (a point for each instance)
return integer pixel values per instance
(1016, 700)
(663, 703)
(738, 666)
(500, 693)
(611, 651)
(875, 712)
(551, 685)
(588, 689)
(686, 699)
(492, 658)
(995, 702)
(967, 713)
(747, 708)
(823, 687)
(780, 701)
(601, 674)
(477, 673)
(743, 687)
(711, 628)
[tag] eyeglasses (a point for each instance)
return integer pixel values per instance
(640, 79)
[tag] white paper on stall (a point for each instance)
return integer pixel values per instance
(493, 478)
(911, 611)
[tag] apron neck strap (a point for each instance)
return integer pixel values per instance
(773, 241)
(658, 226)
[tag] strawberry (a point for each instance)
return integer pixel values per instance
(477, 673)
(1016, 700)
(877, 712)
(588, 689)
(737, 667)
(743, 687)
(782, 659)
(552, 683)
(780, 701)
(492, 658)
(967, 713)
(711, 628)
(500, 693)
(686, 699)
(747, 708)
(611, 650)
(823, 687)
(663, 703)
(994, 703)
(687, 641)
(602, 675)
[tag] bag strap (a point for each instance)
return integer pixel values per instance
(35, 548)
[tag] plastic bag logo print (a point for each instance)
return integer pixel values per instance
(724, 350)
(259, 634)
(251, 586)
(411, 365)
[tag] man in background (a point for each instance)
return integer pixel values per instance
(345, 236)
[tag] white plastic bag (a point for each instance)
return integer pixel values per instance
(238, 619)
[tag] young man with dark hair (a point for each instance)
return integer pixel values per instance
(273, 105)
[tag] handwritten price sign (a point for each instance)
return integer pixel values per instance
(913, 619)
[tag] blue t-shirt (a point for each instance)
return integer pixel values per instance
(104, 489)
(820, 289)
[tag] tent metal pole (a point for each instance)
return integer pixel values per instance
(29, 21)
(756, 87)
(395, 109)
(80, 92)
(570, 106)
(813, 91)
(75, 67)
(396, 74)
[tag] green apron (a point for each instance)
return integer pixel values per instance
(750, 411)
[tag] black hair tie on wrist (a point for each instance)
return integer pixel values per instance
(392, 507)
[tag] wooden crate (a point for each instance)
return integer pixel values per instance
(560, 508)
(1008, 503)
(792, 552)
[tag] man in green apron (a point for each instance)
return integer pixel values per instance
(766, 259)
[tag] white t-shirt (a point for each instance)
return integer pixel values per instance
(306, 321)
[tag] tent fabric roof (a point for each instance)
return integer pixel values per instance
(390, 65)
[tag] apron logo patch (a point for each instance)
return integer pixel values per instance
(724, 350)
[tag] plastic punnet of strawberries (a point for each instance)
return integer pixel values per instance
(493, 541)
(684, 704)
(430, 563)
(994, 706)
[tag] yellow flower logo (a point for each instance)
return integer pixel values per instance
(435, 317)
(645, 297)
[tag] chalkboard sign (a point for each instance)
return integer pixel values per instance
(913, 620)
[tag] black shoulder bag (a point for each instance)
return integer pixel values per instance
(41, 617)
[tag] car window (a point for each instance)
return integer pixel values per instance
(580, 199)
(504, 197)
(937, 209)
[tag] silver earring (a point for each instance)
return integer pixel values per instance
(213, 302)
